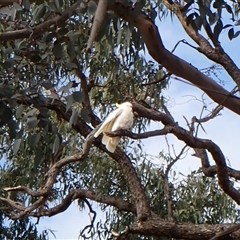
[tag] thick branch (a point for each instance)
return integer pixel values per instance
(183, 135)
(98, 19)
(216, 54)
(39, 29)
(159, 227)
(173, 63)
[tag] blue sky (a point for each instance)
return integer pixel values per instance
(222, 130)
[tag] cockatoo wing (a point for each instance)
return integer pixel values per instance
(108, 122)
(112, 144)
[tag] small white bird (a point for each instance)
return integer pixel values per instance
(119, 119)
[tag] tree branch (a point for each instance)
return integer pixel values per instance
(216, 54)
(39, 29)
(173, 63)
(183, 135)
(98, 19)
(85, 194)
(159, 227)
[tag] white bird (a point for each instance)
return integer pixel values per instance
(119, 119)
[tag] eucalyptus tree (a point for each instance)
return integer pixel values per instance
(64, 64)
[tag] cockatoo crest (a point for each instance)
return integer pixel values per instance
(119, 119)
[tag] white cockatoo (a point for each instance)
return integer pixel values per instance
(119, 119)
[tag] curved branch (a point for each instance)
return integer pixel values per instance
(194, 142)
(173, 63)
(85, 194)
(39, 29)
(216, 54)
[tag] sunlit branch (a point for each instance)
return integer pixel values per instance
(97, 21)
(174, 64)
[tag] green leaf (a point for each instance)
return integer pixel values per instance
(70, 65)
(103, 30)
(236, 34)
(57, 50)
(217, 29)
(189, 19)
(82, 8)
(19, 111)
(119, 36)
(32, 122)
(62, 31)
(231, 33)
(71, 49)
(38, 157)
(227, 26)
(8, 63)
(35, 58)
(228, 8)
(67, 87)
(17, 6)
(199, 22)
(52, 6)
(213, 17)
(186, 7)
(39, 13)
(26, 4)
(85, 115)
(31, 113)
(34, 139)
(70, 101)
(19, 134)
(73, 118)
(218, 4)
(16, 146)
(5, 115)
(58, 4)
(56, 144)
(92, 6)
(12, 125)
(78, 96)
(47, 85)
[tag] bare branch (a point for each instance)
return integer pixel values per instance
(171, 62)
(216, 54)
(98, 19)
(158, 80)
(84, 194)
(91, 225)
(194, 142)
(211, 171)
(132, 135)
